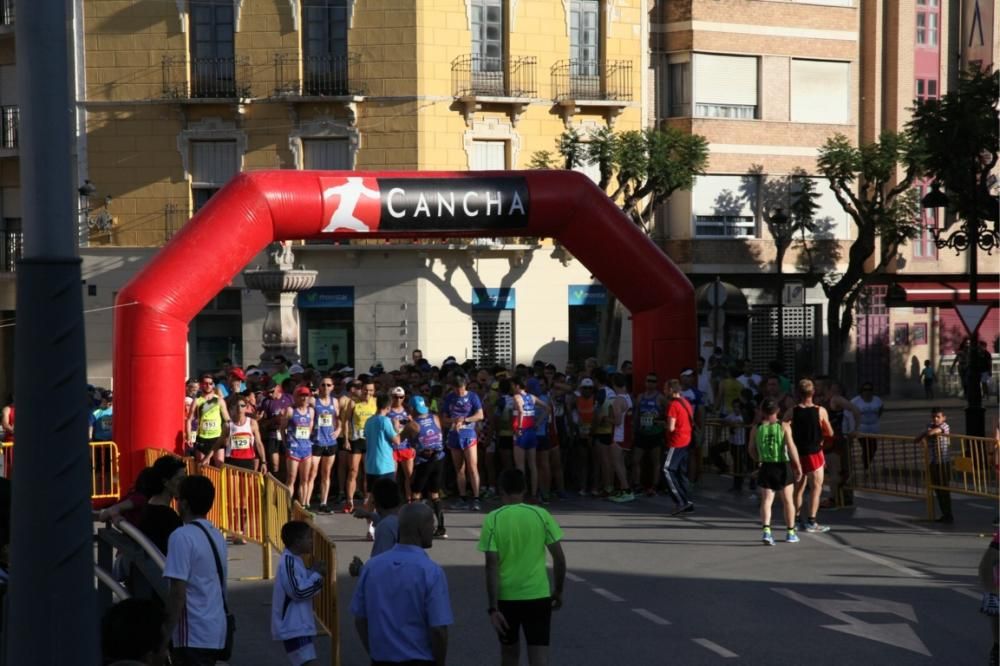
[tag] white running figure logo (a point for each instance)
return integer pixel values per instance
(350, 193)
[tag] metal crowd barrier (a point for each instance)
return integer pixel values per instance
(884, 464)
(325, 604)
(104, 480)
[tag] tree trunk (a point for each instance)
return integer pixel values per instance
(834, 339)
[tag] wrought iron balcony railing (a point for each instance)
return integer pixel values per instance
(609, 81)
(206, 78)
(317, 76)
(475, 75)
(10, 117)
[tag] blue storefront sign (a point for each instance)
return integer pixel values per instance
(488, 298)
(326, 297)
(587, 294)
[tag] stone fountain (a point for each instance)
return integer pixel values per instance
(280, 281)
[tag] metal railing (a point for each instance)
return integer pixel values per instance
(11, 120)
(478, 75)
(206, 78)
(11, 244)
(610, 80)
(103, 468)
(317, 76)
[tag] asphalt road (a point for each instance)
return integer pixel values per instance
(645, 588)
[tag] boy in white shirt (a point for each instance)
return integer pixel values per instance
(291, 604)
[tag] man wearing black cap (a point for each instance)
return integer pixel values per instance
(273, 405)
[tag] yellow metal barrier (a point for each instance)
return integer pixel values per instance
(968, 467)
(277, 512)
(889, 465)
(104, 481)
(325, 604)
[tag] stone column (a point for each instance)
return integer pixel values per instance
(279, 282)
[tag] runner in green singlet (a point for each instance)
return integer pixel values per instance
(771, 445)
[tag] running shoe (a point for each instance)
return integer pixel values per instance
(767, 538)
(687, 508)
(476, 506)
(324, 509)
(800, 525)
(460, 505)
(816, 528)
(623, 497)
(371, 532)
(440, 533)
(348, 508)
(792, 537)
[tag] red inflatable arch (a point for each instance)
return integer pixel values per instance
(258, 208)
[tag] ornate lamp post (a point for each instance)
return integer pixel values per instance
(970, 235)
(780, 229)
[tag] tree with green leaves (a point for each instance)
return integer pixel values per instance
(639, 169)
(874, 184)
(956, 138)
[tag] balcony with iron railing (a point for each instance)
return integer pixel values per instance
(319, 76)
(606, 85)
(10, 117)
(206, 78)
(507, 81)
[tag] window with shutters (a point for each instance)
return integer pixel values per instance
(326, 154)
(493, 337)
(213, 62)
(820, 92)
(725, 86)
(585, 37)
(487, 35)
(723, 206)
(324, 47)
(213, 164)
(489, 155)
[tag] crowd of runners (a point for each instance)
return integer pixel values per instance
(591, 431)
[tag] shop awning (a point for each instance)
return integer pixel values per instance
(941, 293)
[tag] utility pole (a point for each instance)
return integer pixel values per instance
(52, 606)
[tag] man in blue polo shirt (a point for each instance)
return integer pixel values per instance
(401, 606)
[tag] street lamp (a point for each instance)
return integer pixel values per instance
(779, 229)
(971, 235)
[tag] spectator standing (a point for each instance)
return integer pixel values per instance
(401, 606)
(514, 539)
(679, 428)
(196, 614)
(927, 379)
(292, 620)
(989, 578)
(935, 436)
(870, 406)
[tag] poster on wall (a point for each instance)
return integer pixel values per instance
(327, 347)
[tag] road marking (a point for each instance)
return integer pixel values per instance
(898, 634)
(472, 531)
(730, 509)
(575, 578)
(715, 647)
(652, 617)
(870, 557)
(610, 596)
(982, 506)
(968, 593)
(912, 525)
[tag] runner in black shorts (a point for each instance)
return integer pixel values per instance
(771, 445)
(534, 616)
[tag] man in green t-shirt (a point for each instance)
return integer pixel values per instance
(771, 445)
(515, 538)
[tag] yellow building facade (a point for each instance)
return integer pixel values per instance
(180, 96)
